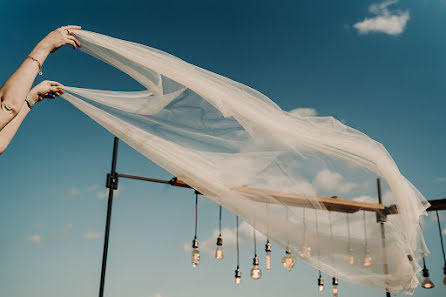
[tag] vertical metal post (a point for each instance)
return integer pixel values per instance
(111, 184)
(381, 219)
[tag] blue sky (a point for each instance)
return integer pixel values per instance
(387, 80)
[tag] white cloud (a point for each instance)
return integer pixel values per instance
(92, 235)
(92, 188)
(104, 194)
(34, 239)
(304, 112)
(330, 181)
(384, 21)
(441, 179)
(444, 231)
(74, 191)
(157, 295)
(246, 234)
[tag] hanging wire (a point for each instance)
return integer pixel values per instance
(331, 236)
(238, 250)
(365, 230)
(317, 234)
(348, 231)
(305, 229)
(441, 238)
(255, 245)
(196, 213)
(219, 223)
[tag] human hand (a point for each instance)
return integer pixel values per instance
(46, 89)
(59, 37)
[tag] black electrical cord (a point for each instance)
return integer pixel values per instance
(196, 214)
(441, 238)
(238, 251)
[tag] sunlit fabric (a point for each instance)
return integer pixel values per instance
(238, 148)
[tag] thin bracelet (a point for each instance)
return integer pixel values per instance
(38, 63)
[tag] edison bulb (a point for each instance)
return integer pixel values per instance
(305, 251)
(335, 286)
(427, 283)
(335, 291)
(367, 261)
(219, 253)
(288, 261)
(351, 259)
(195, 257)
(219, 250)
(256, 273)
(444, 280)
(320, 284)
(195, 253)
(238, 276)
(268, 261)
(268, 255)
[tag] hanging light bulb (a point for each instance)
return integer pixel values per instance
(256, 273)
(444, 272)
(335, 286)
(195, 253)
(288, 261)
(219, 250)
(305, 251)
(427, 283)
(238, 276)
(268, 255)
(367, 261)
(195, 250)
(351, 258)
(320, 282)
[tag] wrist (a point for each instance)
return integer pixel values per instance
(33, 97)
(43, 47)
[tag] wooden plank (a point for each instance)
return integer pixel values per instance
(308, 201)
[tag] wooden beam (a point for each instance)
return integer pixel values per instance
(308, 201)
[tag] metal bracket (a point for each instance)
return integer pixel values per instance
(112, 181)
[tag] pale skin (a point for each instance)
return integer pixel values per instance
(13, 108)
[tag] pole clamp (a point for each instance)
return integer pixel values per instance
(112, 181)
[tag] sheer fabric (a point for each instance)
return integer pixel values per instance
(237, 147)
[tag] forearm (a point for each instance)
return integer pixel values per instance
(15, 89)
(8, 132)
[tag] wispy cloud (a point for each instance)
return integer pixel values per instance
(74, 191)
(441, 179)
(92, 188)
(92, 235)
(385, 20)
(34, 239)
(104, 194)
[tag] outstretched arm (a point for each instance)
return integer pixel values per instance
(15, 89)
(46, 89)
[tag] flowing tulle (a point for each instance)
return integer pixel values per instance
(222, 137)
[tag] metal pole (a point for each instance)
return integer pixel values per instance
(111, 184)
(381, 220)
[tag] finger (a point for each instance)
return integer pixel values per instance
(75, 40)
(73, 44)
(55, 83)
(72, 27)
